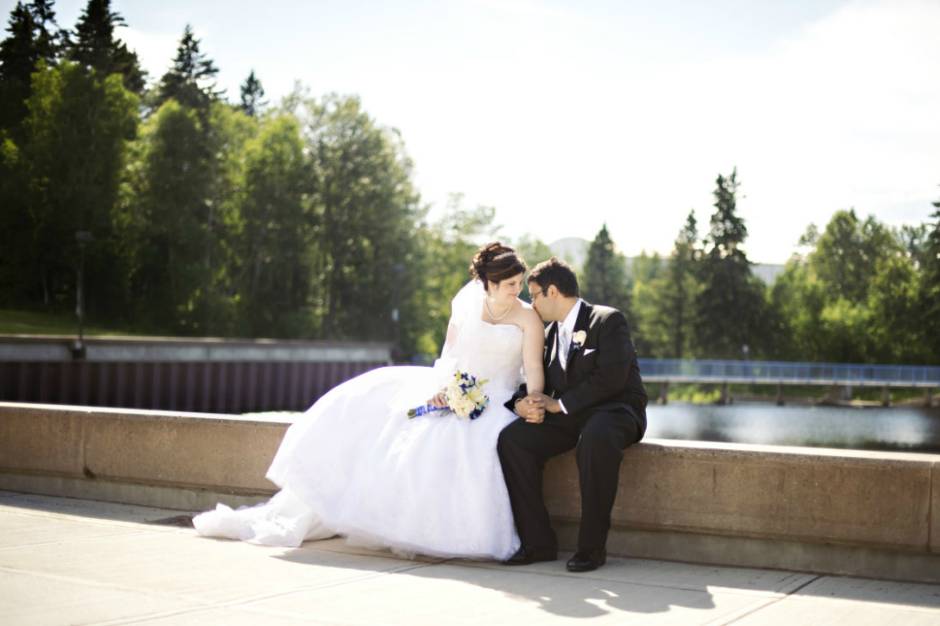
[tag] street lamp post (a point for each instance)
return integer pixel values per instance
(83, 237)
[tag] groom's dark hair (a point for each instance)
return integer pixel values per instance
(555, 272)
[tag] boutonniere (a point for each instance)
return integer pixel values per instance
(577, 339)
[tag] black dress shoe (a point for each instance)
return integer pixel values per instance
(527, 557)
(587, 560)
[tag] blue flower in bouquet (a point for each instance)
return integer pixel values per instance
(464, 396)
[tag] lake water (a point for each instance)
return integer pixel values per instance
(904, 429)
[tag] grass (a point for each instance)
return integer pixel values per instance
(709, 394)
(17, 322)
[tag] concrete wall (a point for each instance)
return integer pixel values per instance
(845, 512)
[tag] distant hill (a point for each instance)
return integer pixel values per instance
(573, 250)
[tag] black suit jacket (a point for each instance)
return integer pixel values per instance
(601, 373)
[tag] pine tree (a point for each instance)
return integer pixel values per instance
(96, 47)
(33, 37)
(17, 60)
(680, 292)
(50, 39)
(190, 80)
(605, 274)
(252, 93)
(730, 305)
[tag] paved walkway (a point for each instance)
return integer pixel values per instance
(65, 561)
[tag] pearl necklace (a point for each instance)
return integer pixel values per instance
(486, 303)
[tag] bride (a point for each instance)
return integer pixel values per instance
(355, 465)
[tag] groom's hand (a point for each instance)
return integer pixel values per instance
(530, 411)
(547, 403)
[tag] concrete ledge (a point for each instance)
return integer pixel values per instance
(829, 511)
(840, 496)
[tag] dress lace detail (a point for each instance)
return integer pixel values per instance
(355, 465)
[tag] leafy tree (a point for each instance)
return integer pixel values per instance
(191, 79)
(731, 302)
(533, 250)
(893, 307)
(605, 274)
(797, 299)
(667, 302)
(843, 329)
(34, 42)
(366, 209)
(94, 45)
(252, 96)
(848, 252)
(74, 175)
(446, 247)
(929, 290)
(826, 312)
(168, 218)
(276, 235)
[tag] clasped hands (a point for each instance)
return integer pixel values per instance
(533, 407)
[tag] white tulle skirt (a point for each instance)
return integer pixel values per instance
(356, 466)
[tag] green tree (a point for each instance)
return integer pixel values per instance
(191, 78)
(33, 37)
(929, 289)
(168, 218)
(730, 305)
(853, 297)
(847, 254)
(666, 304)
(447, 245)
(605, 275)
(276, 235)
(533, 250)
(366, 211)
(893, 308)
(252, 96)
(18, 57)
(74, 176)
(94, 45)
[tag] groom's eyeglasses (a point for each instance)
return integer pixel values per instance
(533, 295)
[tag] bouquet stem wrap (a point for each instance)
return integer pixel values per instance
(464, 396)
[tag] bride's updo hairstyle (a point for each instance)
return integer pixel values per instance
(495, 262)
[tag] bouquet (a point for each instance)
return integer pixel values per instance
(464, 396)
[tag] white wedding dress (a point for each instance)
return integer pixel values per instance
(355, 465)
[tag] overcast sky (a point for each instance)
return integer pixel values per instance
(566, 115)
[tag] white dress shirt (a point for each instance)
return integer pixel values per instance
(563, 336)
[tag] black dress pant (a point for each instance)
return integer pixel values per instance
(600, 437)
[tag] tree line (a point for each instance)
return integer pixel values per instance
(204, 216)
(859, 291)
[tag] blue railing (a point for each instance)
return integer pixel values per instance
(791, 373)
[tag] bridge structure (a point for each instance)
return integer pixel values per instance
(788, 373)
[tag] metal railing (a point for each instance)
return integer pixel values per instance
(789, 373)
(208, 375)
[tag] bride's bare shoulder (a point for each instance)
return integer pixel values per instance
(528, 316)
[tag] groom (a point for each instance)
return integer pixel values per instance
(594, 400)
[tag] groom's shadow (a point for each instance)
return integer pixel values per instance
(623, 585)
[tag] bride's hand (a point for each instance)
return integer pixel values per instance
(439, 400)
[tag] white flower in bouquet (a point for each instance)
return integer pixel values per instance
(464, 396)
